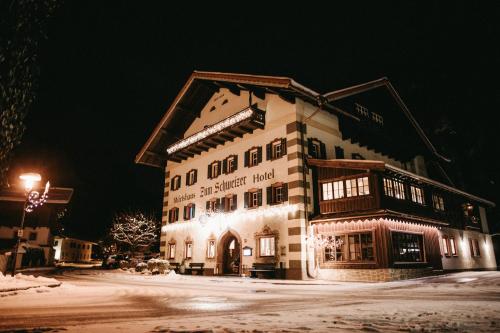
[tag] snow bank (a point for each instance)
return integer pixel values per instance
(22, 282)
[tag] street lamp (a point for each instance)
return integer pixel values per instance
(32, 200)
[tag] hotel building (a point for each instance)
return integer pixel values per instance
(264, 175)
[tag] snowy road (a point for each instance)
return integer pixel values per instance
(101, 301)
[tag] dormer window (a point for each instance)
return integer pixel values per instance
(191, 177)
(214, 170)
(276, 149)
(316, 148)
(253, 156)
(175, 183)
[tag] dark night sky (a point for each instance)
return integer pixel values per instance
(109, 70)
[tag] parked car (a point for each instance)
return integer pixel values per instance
(113, 261)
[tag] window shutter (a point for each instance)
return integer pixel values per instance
(268, 152)
(283, 146)
(224, 166)
(195, 175)
(170, 215)
(185, 209)
(235, 162)
(209, 171)
(217, 204)
(310, 146)
(178, 182)
(246, 200)
(259, 154)
(193, 210)
(247, 157)
(259, 196)
(219, 167)
(285, 192)
(269, 195)
(172, 184)
(187, 178)
(223, 204)
(176, 214)
(322, 150)
(235, 202)
(207, 207)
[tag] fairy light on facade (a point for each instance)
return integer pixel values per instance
(218, 127)
(36, 199)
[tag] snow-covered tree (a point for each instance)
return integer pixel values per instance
(135, 230)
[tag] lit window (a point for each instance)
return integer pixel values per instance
(189, 250)
(327, 191)
(474, 248)
(338, 189)
(437, 202)
(351, 188)
(394, 188)
(446, 248)
(171, 251)
(267, 246)
(453, 246)
(335, 248)
(361, 246)
(363, 186)
(417, 194)
(377, 118)
(407, 247)
(211, 249)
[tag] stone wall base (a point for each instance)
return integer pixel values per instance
(374, 275)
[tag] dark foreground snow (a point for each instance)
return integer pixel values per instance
(102, 301)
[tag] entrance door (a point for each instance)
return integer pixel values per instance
(231, 256)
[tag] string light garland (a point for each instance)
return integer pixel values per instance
(36, 199)
(218, 127)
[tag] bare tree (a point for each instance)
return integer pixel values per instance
(135, 230)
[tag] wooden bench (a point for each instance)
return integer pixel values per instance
(262, 270)
(174, 266)
(195, 267)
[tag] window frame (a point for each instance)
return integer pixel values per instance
(417, 195)
(211, 249)
(188, 250)
(272, 247)
(171, 254)
(175, 183)
(438, 202)
(347, 249)
(420, 242)
(253, 157)
(191, 178)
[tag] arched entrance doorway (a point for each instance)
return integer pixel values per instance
(229, 254)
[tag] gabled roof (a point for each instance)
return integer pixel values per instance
(382, 166)
(200, 87)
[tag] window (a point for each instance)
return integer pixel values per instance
(230, 164)
(211, 249)
(417, 194)
(173, 215)
(189, 211)
(377, 118)
(407, 247)
(56, 242)
(212, 108)
(253, 156)
(212, 205)
(316, 148)
(339, 152)
(214, 170)
(189, 250)
(171, 250)
(446, 247)
(394, 188)
(357, 156)
(474, 248)
(277, 193)
(363, 186)
(335, 249)
(32, 236)
(266, 247)
(453, 246)
(437, 202)
(327, 191)
(361, 246)
(253, 198)
(175, 183)
(361, 109)
(351, 187)
(276, 149)
(230, 202)
(191, 177)
(333, 190)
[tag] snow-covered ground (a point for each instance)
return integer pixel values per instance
(115, 301)
(22, 282)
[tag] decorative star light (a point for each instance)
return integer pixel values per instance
(35, 199)
(216, 128)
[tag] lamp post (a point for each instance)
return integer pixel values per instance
(32, 200)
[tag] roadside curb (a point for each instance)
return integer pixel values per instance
(51, 285)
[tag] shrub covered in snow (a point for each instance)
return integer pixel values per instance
(123, 264)
(142, 266)
(159, 265)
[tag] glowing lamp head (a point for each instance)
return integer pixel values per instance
(29, 180)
